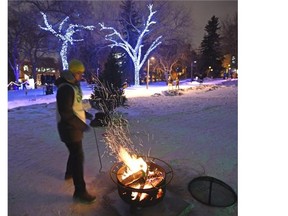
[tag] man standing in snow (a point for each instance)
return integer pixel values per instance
(71, 119)
(177, 82)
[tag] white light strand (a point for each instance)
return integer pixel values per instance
(65, 37)
(136, 52)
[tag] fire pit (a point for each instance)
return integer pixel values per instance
(141, 189)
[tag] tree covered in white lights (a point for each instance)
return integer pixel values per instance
(65, 36)
(135, 52)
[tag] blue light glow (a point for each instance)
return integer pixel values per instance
(65, 37)
(135, 53)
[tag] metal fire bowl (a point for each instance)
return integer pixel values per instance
(160, 164)
(125, 192)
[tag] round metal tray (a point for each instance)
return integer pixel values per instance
(211, 191)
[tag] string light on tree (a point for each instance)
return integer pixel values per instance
(66, 36)
(135, 53)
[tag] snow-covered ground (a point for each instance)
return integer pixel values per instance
(37, 96)
(196, 133)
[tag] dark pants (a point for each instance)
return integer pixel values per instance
(75, 165)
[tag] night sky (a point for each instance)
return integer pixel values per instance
(202, 11)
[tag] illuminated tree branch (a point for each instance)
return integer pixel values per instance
(66, 37)
(134, 52)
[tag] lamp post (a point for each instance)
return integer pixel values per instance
(147, 78)
(192, 69)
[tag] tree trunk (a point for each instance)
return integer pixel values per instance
(137, 83)
(63, 54)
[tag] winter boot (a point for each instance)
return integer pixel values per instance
(68, 176)
(83, 197)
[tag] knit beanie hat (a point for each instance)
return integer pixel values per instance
(76, 66)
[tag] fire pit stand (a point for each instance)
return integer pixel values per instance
(141, 196)
(171, 205)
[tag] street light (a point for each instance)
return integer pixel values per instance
(147, 78)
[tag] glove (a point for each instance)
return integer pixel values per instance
(89, 116)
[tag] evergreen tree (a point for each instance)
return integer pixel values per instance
(111, 73)
(211, 57)
(108, 93)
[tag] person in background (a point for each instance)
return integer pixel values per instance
(24, 84)
(170, 83)
(177, 82)
(24, 87)
(71, 123)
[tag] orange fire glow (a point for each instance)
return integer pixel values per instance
(132, 162)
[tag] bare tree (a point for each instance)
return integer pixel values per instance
(135, 52)
(25, 41)
(66, 36)
(176, 26)
(229, 38)
(15, 42)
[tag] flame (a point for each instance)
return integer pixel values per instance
(132, 162)
(144, 195)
